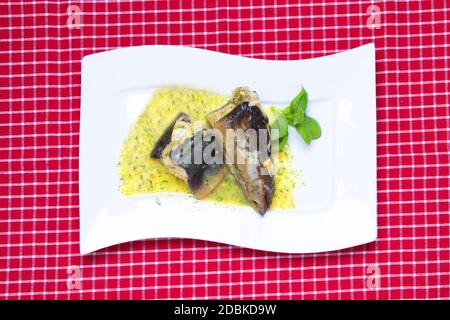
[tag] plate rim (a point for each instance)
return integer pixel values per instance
(85, 64)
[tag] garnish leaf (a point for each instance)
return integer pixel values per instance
(305, 132)
(289, 118)
(279, 144)
(295, 115)
(280, 127)
(300, 102)
(279, 132)
(299, 117)
(314, 127)
(282, 142)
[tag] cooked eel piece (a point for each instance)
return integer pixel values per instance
(171, 150)
(243, 111)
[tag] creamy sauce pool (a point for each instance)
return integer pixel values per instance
(140, 174)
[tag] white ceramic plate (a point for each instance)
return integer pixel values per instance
(337, 207)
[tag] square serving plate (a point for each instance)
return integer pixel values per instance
(336, 205)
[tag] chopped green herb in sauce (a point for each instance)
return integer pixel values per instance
(139, 174)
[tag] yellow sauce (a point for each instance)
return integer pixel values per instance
(140, 174)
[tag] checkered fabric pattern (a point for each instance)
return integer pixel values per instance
(40, 72)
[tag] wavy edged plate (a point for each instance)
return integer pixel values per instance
(336, 208)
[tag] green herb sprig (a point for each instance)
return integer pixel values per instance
(294, 115)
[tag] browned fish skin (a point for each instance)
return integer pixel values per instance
(201, 178)
(166, 137)
(243, 111)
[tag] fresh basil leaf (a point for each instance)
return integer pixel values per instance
(305, 132)
(283, 125)
(282, 142)
(280, 127)
(275, 130)
(294, 115)
(304, 100)
(279, 133)
(299, 117)
(300, 102)
(286, 111)
(278, 143)
(289, 116)
(314, 127)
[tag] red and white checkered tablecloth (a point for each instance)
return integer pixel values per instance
(40, 51)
